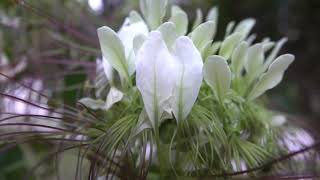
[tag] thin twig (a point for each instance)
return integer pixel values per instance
(270, 163)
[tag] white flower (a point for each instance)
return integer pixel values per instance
(117, 48)
(127, 33)
(168, 77)
(155, 75)
(118, 53)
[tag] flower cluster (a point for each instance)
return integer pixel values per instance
(174, 84)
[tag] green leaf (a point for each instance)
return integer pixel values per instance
(180, 19)
(229, 44)
(198, 20)
(153, 11)
(217, 74)
(113, 50)
(272, 77)
(203, 35)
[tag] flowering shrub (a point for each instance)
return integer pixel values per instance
(171, 100)
(158, 110)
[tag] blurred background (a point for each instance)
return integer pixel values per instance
(52, 47)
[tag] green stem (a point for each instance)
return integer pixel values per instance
(161, 154)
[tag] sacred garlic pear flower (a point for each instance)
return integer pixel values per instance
(155, 75)
(168, 77)
(117, 48)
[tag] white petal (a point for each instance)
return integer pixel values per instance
(229, 44)
(113, 50)
(229, 28)
(267, 46)
(93, 104)
(251, 38)
(113, 97)
(135, 17)
(272, 77)
(274, 52)
(239, 57)
(211, 49)
(198, 20)
(127, 33)
(169, 34)
(203, 35)
(245, 26)
(153, 11)
(189, 77)
(217, 74)
(254, 64)
(213, 15)
(108, 70)
(155, 75)
(180, 19)
(137, 42)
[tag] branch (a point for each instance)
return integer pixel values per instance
(270, 163)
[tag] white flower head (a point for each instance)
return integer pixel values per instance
(155, 75)
(117, 48)
(164, 76)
